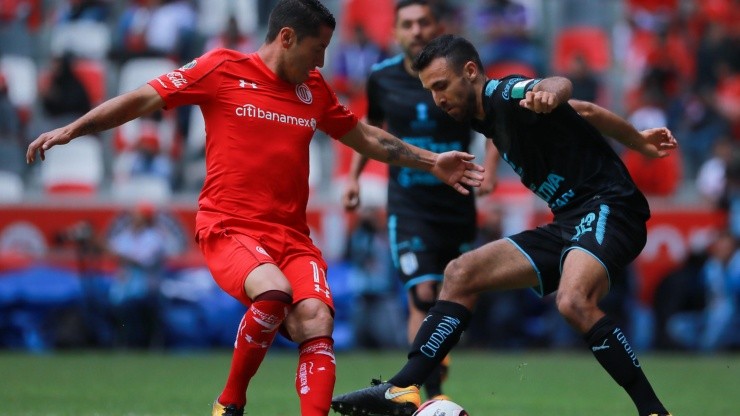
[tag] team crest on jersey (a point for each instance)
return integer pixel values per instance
(188, 65)
(304, 93)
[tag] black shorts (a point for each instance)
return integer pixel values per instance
(611, 233)
(422, 249)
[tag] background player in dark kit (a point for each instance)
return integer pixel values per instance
(429, 224)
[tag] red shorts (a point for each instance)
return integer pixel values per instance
(232, 253)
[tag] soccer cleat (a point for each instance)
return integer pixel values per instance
(659, 414)
(380, 399)
(230, 410)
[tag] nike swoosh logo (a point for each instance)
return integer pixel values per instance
(392, 395)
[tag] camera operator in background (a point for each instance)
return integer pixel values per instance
(139, 247)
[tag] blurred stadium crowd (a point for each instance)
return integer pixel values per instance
(672, 63)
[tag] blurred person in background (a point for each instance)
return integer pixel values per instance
(231, 38)
(82, 10)
(717, 326)
(140, 249)
(352, 64)
(147, 157)
(586, 84)
(730, 201)
(155, 28)
(251, 222)
(429, 223)
(694, 117)
(377, 316)
(11, 145)
(508, 34)
(63, 96)
(711, 181)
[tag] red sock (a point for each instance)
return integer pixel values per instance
(256, 332)
(316, 375)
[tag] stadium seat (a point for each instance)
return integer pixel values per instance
(143, 188)
(21, 74)
(92, 74)
(588, 41)
(11, 188)
(84, 39)
(214, 14)
(138, 71)
(501, 69)
(135, 73)
(76, 168)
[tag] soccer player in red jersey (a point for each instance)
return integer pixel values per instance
(261, 111)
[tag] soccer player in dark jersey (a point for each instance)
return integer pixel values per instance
(429, 224)
(261, 111)
(557, 148)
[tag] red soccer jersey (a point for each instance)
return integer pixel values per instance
(258, 130)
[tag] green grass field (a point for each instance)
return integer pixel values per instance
(486, 383)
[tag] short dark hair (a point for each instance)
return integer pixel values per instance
(457, 50)
(406, 3)
(305, 17)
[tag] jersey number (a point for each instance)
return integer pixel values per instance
(320, 284)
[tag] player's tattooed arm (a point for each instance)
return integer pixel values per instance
(453, 168)
(396, 149)
(378, 144)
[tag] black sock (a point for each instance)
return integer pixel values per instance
(433, 383)
(439, 332)
(610, 347)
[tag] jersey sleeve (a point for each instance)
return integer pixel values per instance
(193, 83)
(514, 87)
(375, 111)
(337, 119)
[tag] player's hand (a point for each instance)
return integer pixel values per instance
(456, 169)
(351, 195)
(45, 142)
(657, 142)
(540, 101)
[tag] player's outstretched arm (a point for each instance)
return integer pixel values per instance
(655, 143)
(112, 113)
(453, 168)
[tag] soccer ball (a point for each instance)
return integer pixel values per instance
(440, 408)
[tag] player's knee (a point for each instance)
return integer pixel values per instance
(422, 297)
(309, 319)
(455, 273)
(573, 306)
